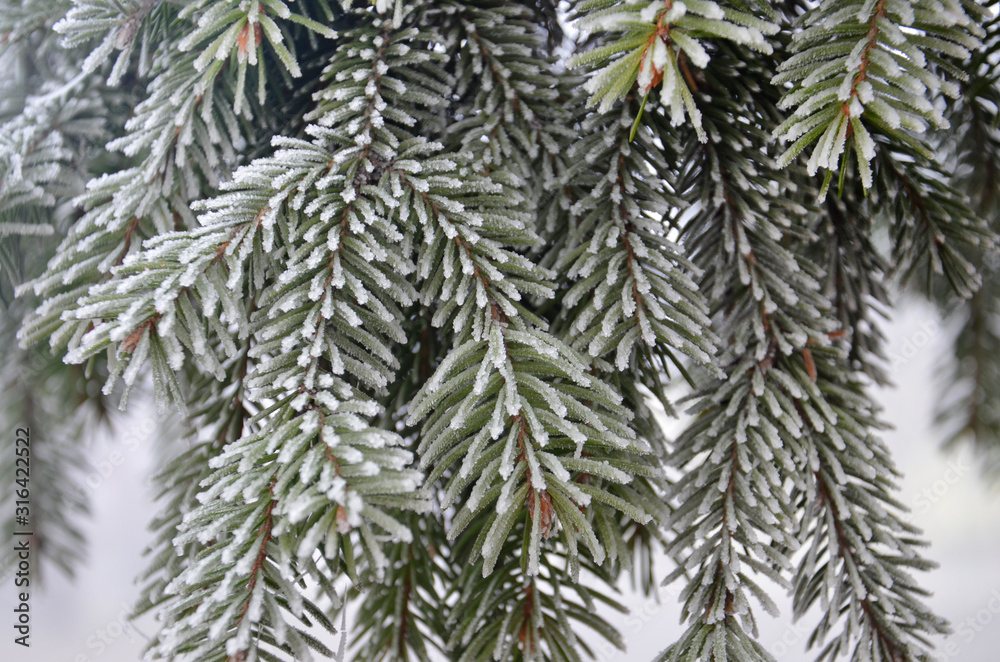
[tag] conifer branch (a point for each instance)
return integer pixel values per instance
(414, 298)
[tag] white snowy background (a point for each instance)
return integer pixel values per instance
(83, 620)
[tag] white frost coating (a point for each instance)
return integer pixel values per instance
(535, 538)
(863, 140)
(504, 502)
(509, 453)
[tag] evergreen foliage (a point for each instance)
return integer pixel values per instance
(416, 275)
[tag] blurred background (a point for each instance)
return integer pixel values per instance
(84, 620)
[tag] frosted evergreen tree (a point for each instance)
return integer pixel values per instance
(416, 276)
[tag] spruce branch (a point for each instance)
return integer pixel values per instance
(965, 410)
(861, 552)
(854, 283)
(506, 111)
(414, 298)
(403, 616)
(630, 285)
(773, 417)
(489, 396)
(511, 615)
(658, 40)
(933, 228)
(862, 64)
